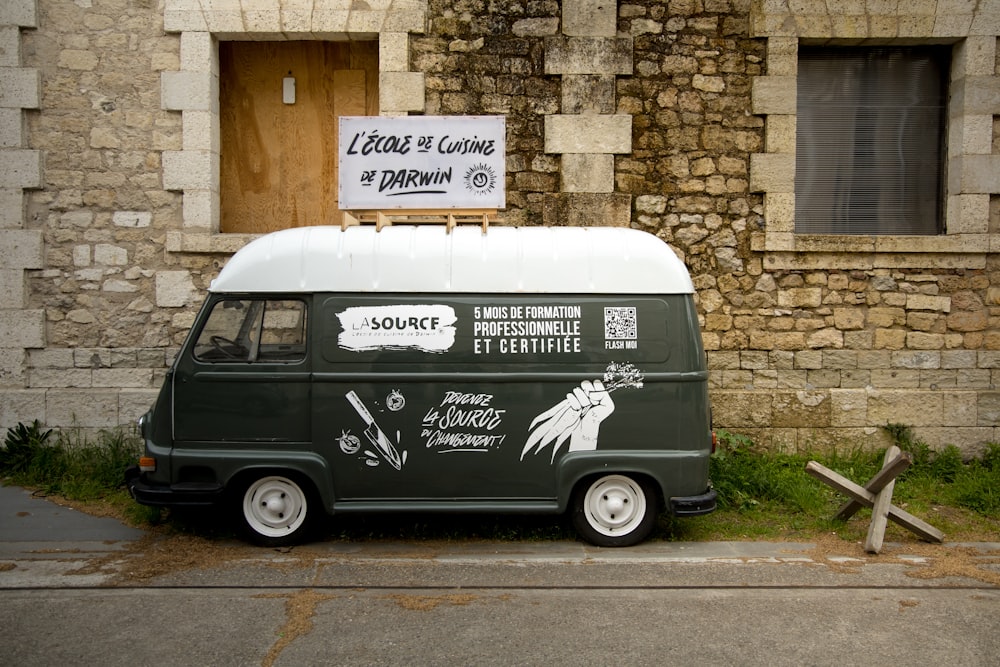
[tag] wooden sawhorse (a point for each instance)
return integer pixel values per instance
(877, 494)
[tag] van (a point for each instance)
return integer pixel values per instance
(425, 369)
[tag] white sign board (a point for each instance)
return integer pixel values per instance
(422, 162)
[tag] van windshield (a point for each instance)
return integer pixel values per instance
(253, 330)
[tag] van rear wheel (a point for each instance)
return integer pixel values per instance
(275, 511)
(615, 510)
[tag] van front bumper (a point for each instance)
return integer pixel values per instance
(694, 505)
(191, 494)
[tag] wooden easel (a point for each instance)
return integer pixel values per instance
(877, 494)
(447, 217)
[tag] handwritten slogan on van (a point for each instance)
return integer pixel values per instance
(422, 162)
(513, 330)
(463, 422)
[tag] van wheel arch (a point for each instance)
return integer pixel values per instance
(615, 509)
(274, 507)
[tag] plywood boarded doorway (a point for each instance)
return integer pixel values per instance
(279, 161)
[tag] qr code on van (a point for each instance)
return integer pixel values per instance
(620, 323)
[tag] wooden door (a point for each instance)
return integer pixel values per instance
(279, 161)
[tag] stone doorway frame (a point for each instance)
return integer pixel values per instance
(194, 88)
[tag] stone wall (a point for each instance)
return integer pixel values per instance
(671, 117)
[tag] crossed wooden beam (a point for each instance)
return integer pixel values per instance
(877, 494)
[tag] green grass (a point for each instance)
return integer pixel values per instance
(763, 495)
(767, 495)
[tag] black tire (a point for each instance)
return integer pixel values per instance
(616, 510)
(275, 510)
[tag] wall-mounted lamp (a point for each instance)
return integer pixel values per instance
(288, 89)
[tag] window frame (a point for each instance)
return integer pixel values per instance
(249, 337)
(967, 238)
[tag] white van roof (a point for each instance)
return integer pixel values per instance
(427, 258)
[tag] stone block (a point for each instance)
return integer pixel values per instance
(225, 23)
(772, 172)
(174, 289)
(60, 378)
(588, 55)
(199, 53)
(906, 406)
(401, 91)
(394, 52)
(774, 95)
(265, 21)
(588, 133)
(538, 27)
(412, 19)
(779, 135)
(960, 408)
(12, 293)
(132, 219)
(51, 358)
(22, 328)
(11, 207)
(83, 408)
(201, 210)
(740, 409)
(22, 13)
(981, 95)
(331, 25)
(587, 172)
(988, 408)
(201, 131)
(21, 406)
(189, 91)
(20, 87)
(940, 304)
(800, 297)
(361, 21)
(975, 56)
(21, 249)
(110, 255)
(20, 168)
(596, 209)
(190, 169)
(968, 214)
(979, 174)
(986, 22)
(12, 367)
(800, 409)
(123, 377)
(951, 25)
(588, 94)
(589, 18)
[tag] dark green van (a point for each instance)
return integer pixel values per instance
(521, 370)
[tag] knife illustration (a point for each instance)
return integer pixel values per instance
(374, 434)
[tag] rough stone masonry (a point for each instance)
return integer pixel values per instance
(672, 116)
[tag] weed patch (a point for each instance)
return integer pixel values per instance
(67, 463)
(765, 494)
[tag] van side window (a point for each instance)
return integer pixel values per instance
(253, 331)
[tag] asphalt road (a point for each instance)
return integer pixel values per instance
(78, 590)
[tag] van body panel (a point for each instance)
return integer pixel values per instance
(414, 370)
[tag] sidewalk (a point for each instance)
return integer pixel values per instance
(49, 545)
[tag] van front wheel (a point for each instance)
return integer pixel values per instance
(275, 511)
(615, 510)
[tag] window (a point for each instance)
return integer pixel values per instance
(870, 140)
(248, 331)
